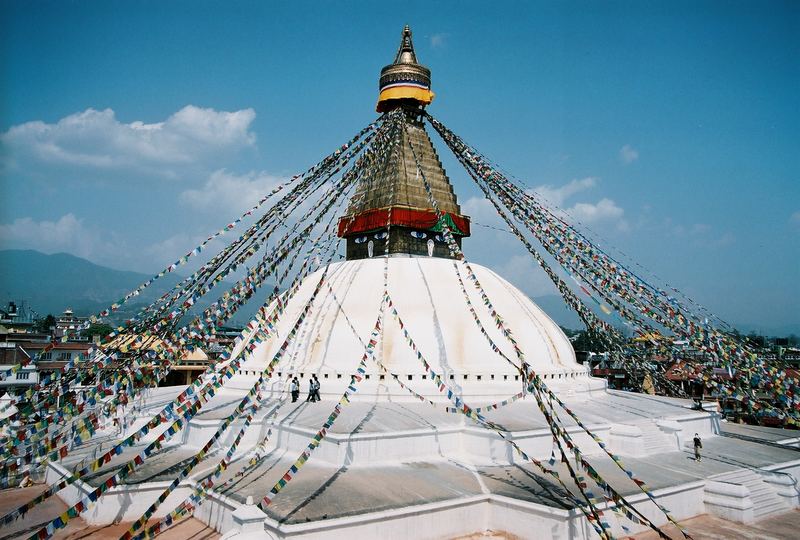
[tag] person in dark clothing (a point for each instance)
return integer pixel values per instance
(295, 387)
(311, 397)
(317, 397)
(698, 444)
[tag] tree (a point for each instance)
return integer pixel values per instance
(43, 325)
(99, 329)
(588, 341)
(756, 341)
(569, 332)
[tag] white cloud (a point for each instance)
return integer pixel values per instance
(482, 211)
(493, 245)
(164, 252)
(230, 193)
(97, 139)
(726, 239)
(67, 234)
(605, 210)
(558, 195)
(628, 154)
(700, 235)
(523, 271)
(694, 230)
(438, 40)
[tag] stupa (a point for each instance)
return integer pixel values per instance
(400, 462)
(391, 214)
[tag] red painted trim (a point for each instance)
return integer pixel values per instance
(376, 219)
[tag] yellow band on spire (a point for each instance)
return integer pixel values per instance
(406, 92)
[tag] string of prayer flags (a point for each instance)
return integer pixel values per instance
(344, 400)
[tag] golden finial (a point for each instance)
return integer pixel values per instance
(405, 81)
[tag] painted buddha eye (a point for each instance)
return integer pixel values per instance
(361, 239)
(418, 234)
(381, 235)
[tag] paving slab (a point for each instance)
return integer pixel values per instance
(763, 433)
(77, 528)
(707, 527)
(321, 492)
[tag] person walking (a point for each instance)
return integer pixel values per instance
(311, 396)
(698, 444)
(317, 397)
(295, 387)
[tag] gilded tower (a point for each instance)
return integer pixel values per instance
(395, 194)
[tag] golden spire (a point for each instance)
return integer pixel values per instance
(405, 54)
(391, 211)
(405, 81)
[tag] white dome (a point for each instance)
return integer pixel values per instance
(429, 300)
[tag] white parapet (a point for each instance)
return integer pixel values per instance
(248, 523)
(626, 440)
(674, 431)
(729, 501)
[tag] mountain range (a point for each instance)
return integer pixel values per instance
(48, 284)
(51, 283)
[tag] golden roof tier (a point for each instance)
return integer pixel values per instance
(391, 204)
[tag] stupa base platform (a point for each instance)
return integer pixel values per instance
(400, 470)
(78, 529)
(708, 527)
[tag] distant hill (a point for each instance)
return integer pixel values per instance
(51, 283)
(557, 309)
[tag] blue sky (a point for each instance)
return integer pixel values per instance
(130, 130)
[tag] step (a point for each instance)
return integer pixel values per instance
(760, 493)
(764, 498)
(737, 477)
(766, 510)
(654, 440)
(661, 447)
(660, 442)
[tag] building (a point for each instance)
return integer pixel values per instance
(191, 365)
(17, 348)
(15, 319)
(11, 354)
(68, 324)
(182, 372)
